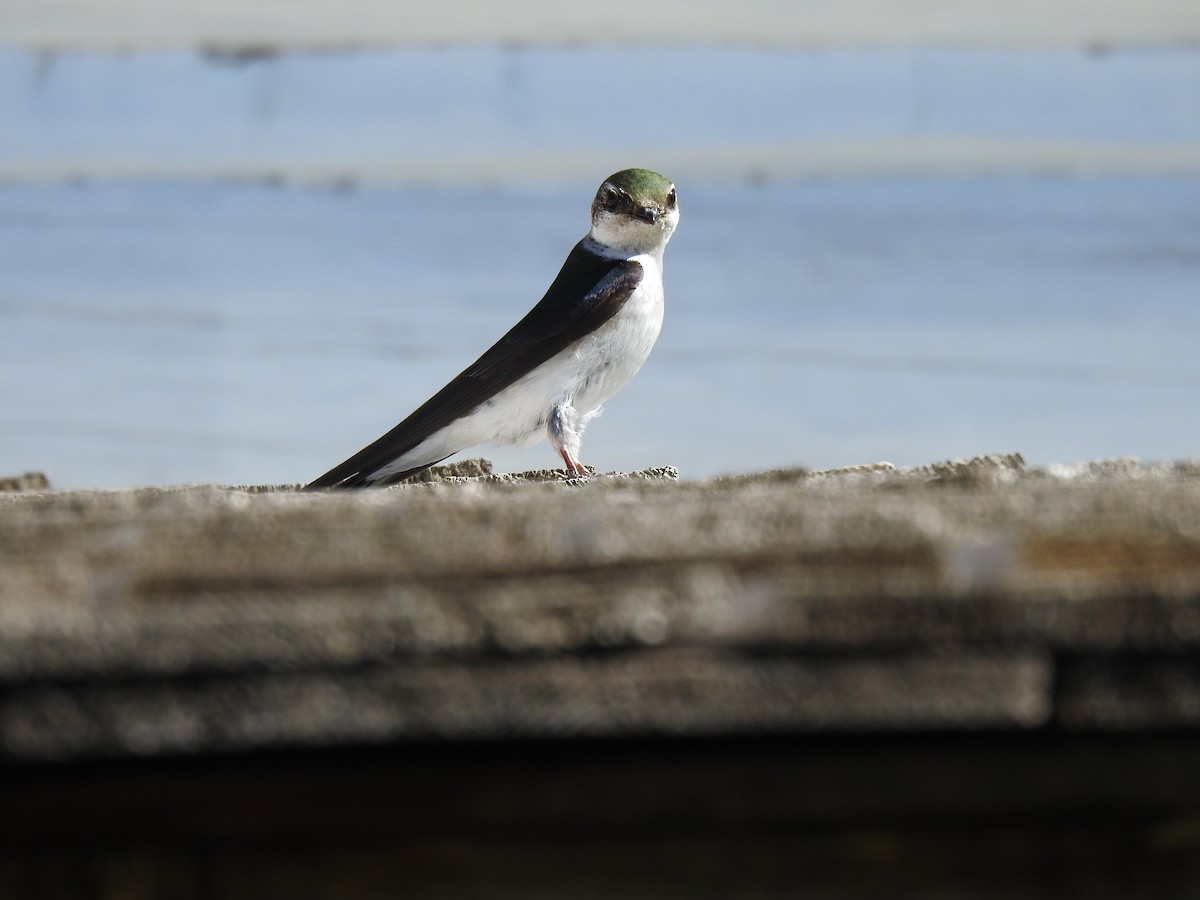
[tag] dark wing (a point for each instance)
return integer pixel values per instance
(588, 291)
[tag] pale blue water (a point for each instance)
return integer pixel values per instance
(178, 333)
(460, 104)
(166, 327)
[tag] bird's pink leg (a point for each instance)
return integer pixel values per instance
(563, 429)
(574, 467)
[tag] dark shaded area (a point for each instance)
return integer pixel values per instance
(982, 815)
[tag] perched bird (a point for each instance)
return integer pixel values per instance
(550, 374)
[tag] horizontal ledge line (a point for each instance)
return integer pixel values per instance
(936, 366)
(126, 25)
(768, 162)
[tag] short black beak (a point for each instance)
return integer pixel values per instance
(649, 213)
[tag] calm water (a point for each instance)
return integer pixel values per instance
(167, 333)
(943, 287)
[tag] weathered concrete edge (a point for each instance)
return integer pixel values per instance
(936, 655)
(662, 693)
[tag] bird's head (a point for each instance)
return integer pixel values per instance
(635, 211)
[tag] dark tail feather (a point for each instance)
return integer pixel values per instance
(338, 478)
(330, 480)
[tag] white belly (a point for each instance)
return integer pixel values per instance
(583, 376)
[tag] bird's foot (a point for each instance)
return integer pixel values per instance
(575, 469)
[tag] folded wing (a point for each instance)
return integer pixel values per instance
(588, 291)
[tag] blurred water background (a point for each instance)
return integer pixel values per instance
(239, 262)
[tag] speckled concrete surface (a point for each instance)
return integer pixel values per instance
(953, 596)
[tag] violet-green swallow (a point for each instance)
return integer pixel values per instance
(550, 374)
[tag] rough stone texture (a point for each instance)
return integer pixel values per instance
(27, 481)
(958, 595)
(966, 679)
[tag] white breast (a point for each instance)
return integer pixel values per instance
(583, 376)
(604, 361)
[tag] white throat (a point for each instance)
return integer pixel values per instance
(623, 236)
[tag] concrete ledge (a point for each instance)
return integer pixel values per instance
(959, 596)
(968, 679)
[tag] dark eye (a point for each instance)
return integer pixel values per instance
(610, 199)
(671, 199)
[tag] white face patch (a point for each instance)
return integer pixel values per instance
(627, 235)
